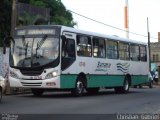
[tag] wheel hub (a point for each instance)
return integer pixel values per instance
(80, 87)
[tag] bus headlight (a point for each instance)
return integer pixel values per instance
(52, 74)
(13, 74)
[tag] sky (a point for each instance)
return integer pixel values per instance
(111, 12)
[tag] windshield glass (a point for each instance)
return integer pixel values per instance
(34, 52)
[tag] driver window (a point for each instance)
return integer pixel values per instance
(68, 48)
(68, 53)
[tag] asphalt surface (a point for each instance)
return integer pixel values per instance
(143, 100)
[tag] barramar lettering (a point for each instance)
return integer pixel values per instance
(103, 65)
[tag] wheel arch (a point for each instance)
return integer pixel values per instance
(128, 77)
(83, 77)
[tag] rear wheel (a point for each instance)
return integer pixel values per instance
(37, 92)
(79, 87)
(151, 84)
(124, 88)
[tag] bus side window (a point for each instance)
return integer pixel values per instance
(143, 53)
(112, 49)
(124, 51)
(99, 47)
(84, 46)
(134, 52)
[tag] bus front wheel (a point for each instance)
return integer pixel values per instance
(79, 87)
(37, 92)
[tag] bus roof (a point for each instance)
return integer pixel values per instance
(74, 30)
(64, 28)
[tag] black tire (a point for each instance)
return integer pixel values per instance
(0, 94)
(140, 86)
(79, 87)
(150, 84)
(135, 86)
(92, 90)
(124, 88)
(37, 92)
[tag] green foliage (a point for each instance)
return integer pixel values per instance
(38, 3)
(5, 19)
(28, 19)
(58, 15)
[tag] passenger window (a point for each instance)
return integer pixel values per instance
(99, 49)
(123, 51)
(134, 52)
(112, 49)
(84, 46)
(143, 53)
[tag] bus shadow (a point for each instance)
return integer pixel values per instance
(69, 95)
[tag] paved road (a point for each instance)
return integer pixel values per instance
(143, 100)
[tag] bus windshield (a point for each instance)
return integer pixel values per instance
(34, 52)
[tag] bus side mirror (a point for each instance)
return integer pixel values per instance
(7, 42)
(63, 37)
(4, 46)
(64, 41)
(4, 50)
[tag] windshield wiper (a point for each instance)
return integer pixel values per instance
(25, 45)
(40, 43)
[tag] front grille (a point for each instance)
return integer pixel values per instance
(31, 84)
(31, 72)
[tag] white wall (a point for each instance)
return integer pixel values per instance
(4, 62)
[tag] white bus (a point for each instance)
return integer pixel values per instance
(54, 57)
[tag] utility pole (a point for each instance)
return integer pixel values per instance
(13, 17)
(149, 47)
(126, 21)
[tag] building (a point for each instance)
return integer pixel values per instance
(155, 55)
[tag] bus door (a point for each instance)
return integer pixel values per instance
(68, 54)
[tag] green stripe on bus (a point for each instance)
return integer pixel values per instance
(105, 81)
(138, 79)
(68, 81)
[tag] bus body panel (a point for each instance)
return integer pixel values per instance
(35, 81)
(100, 72)
(48, 83)
(111, 81)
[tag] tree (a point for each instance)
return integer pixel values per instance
(5, 19)
(28, 19)
(58, 15)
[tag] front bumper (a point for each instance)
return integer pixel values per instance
(47, 83)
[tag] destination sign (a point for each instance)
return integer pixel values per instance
(36, 32)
